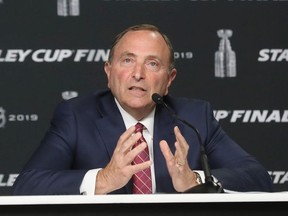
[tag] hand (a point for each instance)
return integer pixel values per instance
(182, 176)
(119, 170)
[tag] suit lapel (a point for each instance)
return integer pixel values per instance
(111, 126)
(163, 130)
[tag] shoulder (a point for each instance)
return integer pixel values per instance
(89, 97)
(88, 101)
(183, 103)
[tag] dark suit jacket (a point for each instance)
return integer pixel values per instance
(84, 132)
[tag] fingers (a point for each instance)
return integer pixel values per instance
(138, 167)
(168, 155)
(177, 163)
(124, 150)
(182, 148)
(127, 140)
(179, 158)
(181, 143)
(120, 169)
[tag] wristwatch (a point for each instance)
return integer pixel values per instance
(198, 178)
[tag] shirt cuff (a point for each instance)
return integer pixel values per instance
(88, 184)
(202, 175)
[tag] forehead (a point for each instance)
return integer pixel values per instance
(148, 34)
(144, 41)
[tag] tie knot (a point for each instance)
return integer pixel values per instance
(139, 127)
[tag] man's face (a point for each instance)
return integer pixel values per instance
(138, 69)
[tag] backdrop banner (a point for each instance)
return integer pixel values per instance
(231, 53)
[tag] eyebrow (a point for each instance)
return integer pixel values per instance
(126, 53)
(129, 54)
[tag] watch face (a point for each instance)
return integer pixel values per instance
(198, 178)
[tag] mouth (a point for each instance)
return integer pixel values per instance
(137, 91)
(137, 88)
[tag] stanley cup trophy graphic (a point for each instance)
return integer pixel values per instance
(68, 7)
(225, 57)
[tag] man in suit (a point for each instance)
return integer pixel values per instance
(89, 147)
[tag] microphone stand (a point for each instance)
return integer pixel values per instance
(209, 186)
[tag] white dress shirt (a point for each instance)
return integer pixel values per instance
(89, 181)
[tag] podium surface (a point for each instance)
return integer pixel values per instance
(152, 205)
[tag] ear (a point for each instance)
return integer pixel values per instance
(172, 76)
(107, 69)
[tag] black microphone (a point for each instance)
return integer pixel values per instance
(209, 186)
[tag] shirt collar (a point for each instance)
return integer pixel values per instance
(129, 120)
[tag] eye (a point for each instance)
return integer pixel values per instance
(153, 65)
(127, 61)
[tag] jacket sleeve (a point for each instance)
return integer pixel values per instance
(49, 171)
(233, 167)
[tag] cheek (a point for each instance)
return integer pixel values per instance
(116, 80)
(165, 86)
(108, 84)
(160, 84)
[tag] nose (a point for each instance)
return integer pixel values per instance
(139, 71)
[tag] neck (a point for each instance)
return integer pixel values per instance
(137, 114)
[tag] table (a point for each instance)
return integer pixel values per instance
(153, 205)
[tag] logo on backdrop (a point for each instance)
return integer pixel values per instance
(7, 180)
(66, 95)
(225, 57)
(57, 55)
(279, 177)
(68, 8)
(273, 55)
(4, 119)
(252, 116)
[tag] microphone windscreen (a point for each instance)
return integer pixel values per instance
(157, 98)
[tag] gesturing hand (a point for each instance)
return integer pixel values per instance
(182, 176)
(119, 170)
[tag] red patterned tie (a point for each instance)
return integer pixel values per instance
(142, 183)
